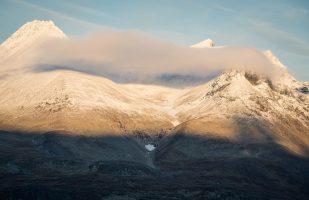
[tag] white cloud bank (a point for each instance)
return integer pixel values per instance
(133, 53)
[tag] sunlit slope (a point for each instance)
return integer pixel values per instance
(236, 105)
(72, 101)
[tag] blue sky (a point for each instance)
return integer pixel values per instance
(279, 25)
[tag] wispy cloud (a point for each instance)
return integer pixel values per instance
(295, 13)
(87, 10)
(60, 15)
(283, 39)
(225, 9)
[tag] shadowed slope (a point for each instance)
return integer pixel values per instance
(61, 166)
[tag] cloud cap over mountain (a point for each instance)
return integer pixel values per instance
(141, 55)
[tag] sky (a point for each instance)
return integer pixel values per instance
(279, 25)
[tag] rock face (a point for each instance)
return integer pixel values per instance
(70, 135)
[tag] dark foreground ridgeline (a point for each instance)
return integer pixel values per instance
(59, 166)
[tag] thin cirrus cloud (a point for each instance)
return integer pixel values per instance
(282, 39)
(60, 15)
(87, 10)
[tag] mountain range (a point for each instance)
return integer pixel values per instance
(246, 134)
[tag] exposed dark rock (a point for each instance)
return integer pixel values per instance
(304, 90)
(185, 167)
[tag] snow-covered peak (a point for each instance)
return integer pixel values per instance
(208, 43)
(30, 34)
(33, 29)
(285, 78)
(269, 54)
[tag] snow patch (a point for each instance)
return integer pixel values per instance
(150, 147)
(175, 122)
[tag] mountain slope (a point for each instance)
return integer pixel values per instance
(71, 135)
(82, 103)
(72, 101)
(246, 101)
